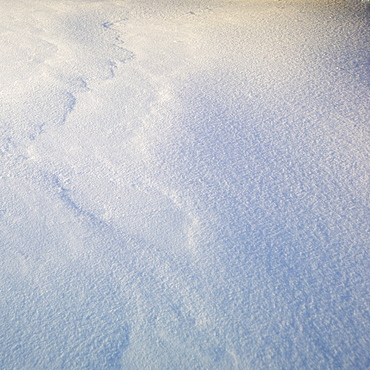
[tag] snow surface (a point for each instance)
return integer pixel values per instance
(184, 184)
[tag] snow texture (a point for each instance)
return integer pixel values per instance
(184, 184)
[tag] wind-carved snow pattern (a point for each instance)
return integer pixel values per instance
(184, 185)
(45, 90)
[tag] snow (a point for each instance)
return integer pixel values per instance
(184, 185)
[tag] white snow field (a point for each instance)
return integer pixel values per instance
(184, 184)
